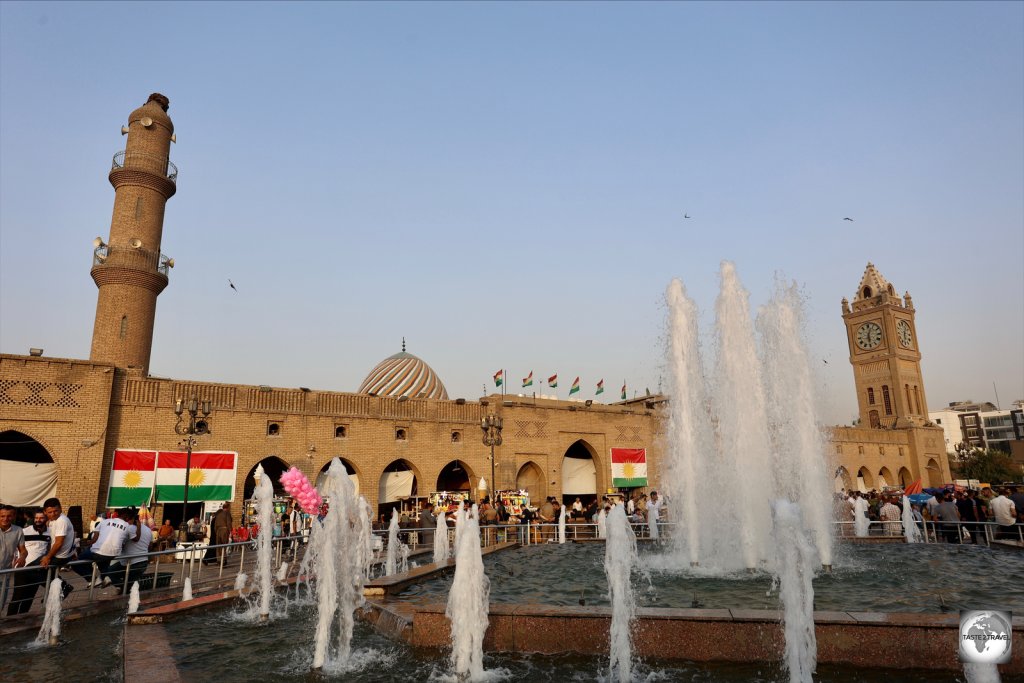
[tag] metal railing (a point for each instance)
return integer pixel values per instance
(131, 257)
(142, 161)
(979, 533)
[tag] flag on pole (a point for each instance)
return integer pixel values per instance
(528, 380)
(600, 388)
(629, 467)
(211, 476)
(623, 390)
(132, 477)
(553, 381)
(499, 378)
(575, 388)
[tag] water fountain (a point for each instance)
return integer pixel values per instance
(133, 599)
(797, 559)
(49, 632)
(861, 522)
(620, 557)
(240, 580)
(602, 523)
(186, 590)
(441, 550)
(391, 563)
(468, 600)
(561, 525)
(910, 529)
(264, 497)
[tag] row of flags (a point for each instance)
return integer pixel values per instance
(499, 380)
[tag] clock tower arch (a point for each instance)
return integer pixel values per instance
(885, 355)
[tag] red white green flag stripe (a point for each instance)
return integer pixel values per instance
(575, 388)
(600, 388)
(553, 381)
(499, 378)
(211, 476)
(629, 467)
(528, 380)
(132, 476)
(623, 391)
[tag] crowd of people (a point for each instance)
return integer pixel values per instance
(958, 515)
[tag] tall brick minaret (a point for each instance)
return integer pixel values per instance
(129, 269)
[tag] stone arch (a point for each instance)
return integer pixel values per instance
(455, 476)
(842, 480)
(273, 467)
(885, 478)
(904, 477)
(934, 473)
(531, 478)
(350, 469)
(579, 472)
(27, 470)
(399, 480)
(864, 479)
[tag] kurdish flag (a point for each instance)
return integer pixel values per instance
(553, 381)
(623, 390)
(629, 467)
(575, 388)
(600, 388)
(211, 478)
(528, 380)
(499, 378)
(131, 478)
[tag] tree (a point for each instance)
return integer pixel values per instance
(989, 465)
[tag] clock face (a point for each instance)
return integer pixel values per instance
(869, 335)
(905, 335)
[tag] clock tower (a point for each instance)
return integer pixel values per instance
(885, 355)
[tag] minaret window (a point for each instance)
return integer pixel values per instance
(910, 405)
(874, 422)
(273, 429)
(138, 208)
(871, 396)
(340, 432)
(124, 326)
(886, 400)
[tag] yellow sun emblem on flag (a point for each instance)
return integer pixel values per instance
(628, 471)
(196, 478)
(131, 479)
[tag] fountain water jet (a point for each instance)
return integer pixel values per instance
(133, 599)
(441, 550)
(393, 550)
(561, 526)
(861, 522)
(240, 580)
(795, 572)
(264, 497)
(910, 528)
(602, 524)
(186, 590)
(620, 556)
(49, 632)
(468, 600)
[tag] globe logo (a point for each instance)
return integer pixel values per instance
(985, 636)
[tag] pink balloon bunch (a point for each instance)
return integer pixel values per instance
(299, 488)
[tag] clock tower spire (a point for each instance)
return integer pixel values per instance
(885, 355)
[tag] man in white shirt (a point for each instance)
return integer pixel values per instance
(109, 539)
(62, 539)
(653, 511)
(1005, 513)
(135, 553)
(26, 583)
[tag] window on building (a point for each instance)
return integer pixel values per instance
(400, 434)
(456, 436)
(886, 400)
(938, 420)
(124, 326)
(340, 431)
(881, 450)
(906, 390)
(873, 421)
(860, 450)
(273, 429)
(871, 396)
(901, 451)
(970, 420)
(917, 400)
(839, 449)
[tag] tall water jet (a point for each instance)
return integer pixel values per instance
(366, 534)
(861, 522)
(264, 497)
(742, 417)
(391, 563)
(441, 550)
(795, 571)
(602, 524)
(799, 457)
(561, 526)
(981, 672)
(240, 580)
(186, 590)
(134, 599)
(688, 424)
(468, 600)
(620, 556)
(338, 550)
(910, 529)
(49, 632)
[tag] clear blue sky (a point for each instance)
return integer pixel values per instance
(504, 184)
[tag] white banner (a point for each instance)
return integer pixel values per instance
(27, 484)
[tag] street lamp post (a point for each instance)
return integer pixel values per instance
(196, 425)
(491, 426)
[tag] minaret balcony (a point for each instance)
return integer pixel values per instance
(131, 258)
(147, 163)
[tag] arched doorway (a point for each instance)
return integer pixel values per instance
(905, 477)
(350, 469)
(842, 480)
(530, 478)
(398, 481)
(934, 473)
(884, 477)
(455, 476)
(864, 480)
(273, 467)
(28, 474)
(579, 473)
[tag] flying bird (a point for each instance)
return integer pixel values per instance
(848, 219)
(686, 215)
(232, 285)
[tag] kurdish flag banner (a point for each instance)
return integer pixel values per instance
(575, 388)
(528, 380)
(600, 388)
(553, 381)
(623, 391)
(498, 378)
(629, 467)
(131, 478)
(211, 477)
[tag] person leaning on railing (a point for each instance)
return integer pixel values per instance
(26, 583)
(135, 553)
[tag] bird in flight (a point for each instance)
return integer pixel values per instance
(686, 215)
(848, 219)
(232, 285)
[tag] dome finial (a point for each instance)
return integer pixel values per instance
(403, 344)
